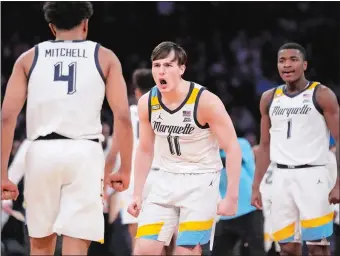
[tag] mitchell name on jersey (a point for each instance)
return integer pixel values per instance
(182, 144)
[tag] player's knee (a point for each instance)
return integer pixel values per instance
(148, 247)
(188, 250)
(43, 245)
(290, 249)
(318, 248)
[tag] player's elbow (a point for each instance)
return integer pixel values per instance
(146, 148)
(233, 149)
(124, 119)
(8, 118)
(264, 144)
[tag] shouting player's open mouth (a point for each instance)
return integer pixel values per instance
(163, 83)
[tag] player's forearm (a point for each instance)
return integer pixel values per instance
(7, 135)
(262, 163)
(142, 168)
(124, 138)
(233, 168)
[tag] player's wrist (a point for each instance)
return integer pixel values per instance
(256, 186)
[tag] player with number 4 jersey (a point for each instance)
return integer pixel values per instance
(65, 81)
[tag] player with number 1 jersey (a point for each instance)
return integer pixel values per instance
(297, 118)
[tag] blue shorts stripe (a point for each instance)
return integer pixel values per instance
(287, 240)
(324, 231)
(152, 237)
(193, 237)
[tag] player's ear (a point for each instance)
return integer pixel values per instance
(305, 65)
(182, 69)
(54, 32)
(86, 25)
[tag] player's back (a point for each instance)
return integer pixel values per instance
(66, 90)
(299, 134)
(181, 143)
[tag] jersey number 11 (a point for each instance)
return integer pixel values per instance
(174, 145)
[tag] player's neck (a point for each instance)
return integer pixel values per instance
(298, 85)
(69, 35)
(178, 94)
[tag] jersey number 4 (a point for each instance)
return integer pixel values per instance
(70, 78)
(174, 145)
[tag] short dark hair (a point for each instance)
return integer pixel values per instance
(67, 15)
(142, 78)
(295, 46)
(162, 50)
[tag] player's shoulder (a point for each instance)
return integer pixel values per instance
(143, 101)
(324, 89)
(207, 98)
(107, 55)
(269, 94)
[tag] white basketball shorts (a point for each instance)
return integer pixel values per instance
(184, 201)
(63, 189)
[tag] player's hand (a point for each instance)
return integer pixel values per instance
(7, 206)
(9, 191)
(228, 206)
(256, 199)
(119, 181)
(334, 195)
(135, 207)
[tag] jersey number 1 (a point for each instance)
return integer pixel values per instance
(70, 78)
(174, 145)
(289, 129)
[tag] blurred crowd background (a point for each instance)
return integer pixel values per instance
(232, 48)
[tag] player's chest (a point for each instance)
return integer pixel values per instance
(300, 107)
(180, 123)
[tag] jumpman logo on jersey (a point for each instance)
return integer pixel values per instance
(211, 183)
(319, 181)
(160, 116)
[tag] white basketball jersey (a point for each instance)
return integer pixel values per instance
(66, 90)
(182, 144)
(298, 133)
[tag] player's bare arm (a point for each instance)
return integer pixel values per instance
(111, 156)
(16, 94)
(327, 101)
(116, 93)
(212, 111)
(145, 149)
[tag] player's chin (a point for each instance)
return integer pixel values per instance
(290, 80)
(163, 88)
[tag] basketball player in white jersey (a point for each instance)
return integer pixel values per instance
(185, 124)
(295, 124)
(143, 81)
(65, 81)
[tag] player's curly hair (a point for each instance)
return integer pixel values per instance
(67, 15)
